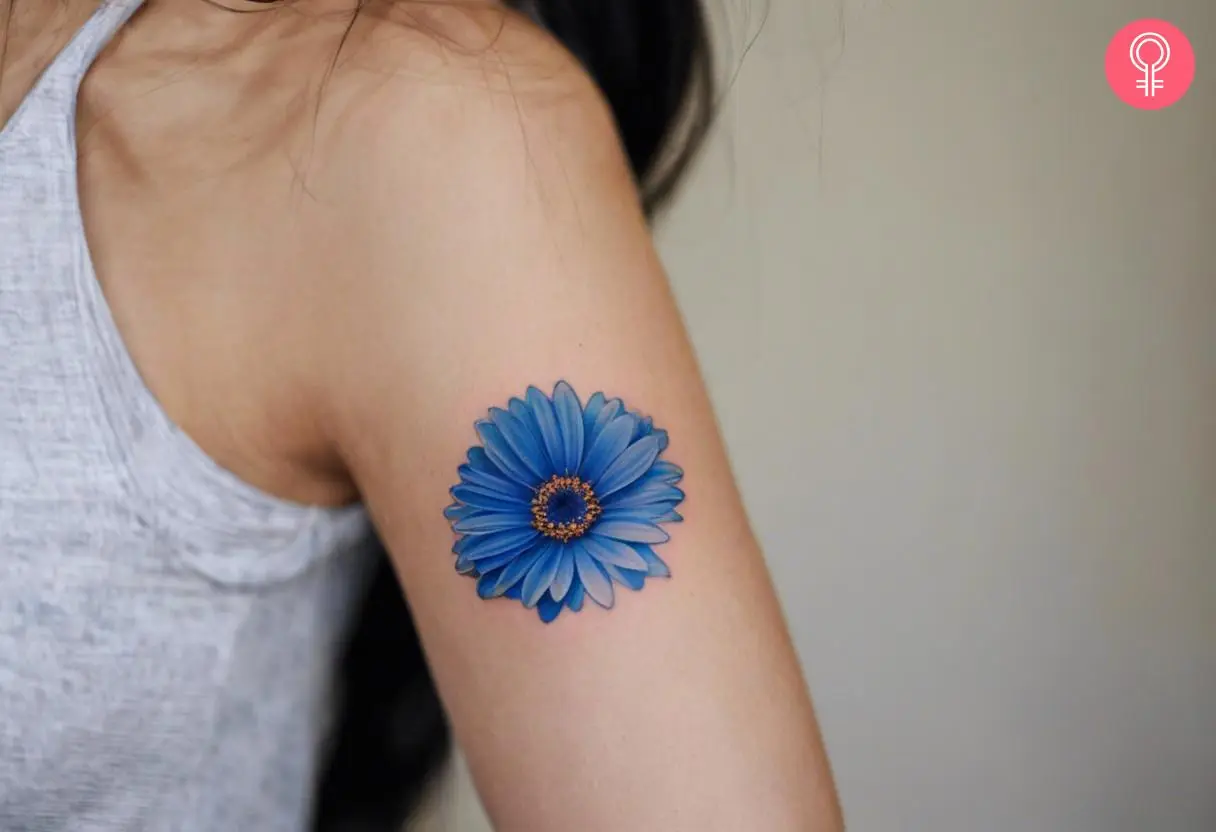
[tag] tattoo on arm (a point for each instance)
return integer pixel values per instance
(561, 500)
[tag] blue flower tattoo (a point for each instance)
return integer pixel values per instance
(561, 500)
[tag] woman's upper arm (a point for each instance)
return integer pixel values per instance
(515, 255)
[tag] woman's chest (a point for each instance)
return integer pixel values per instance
(203, 247)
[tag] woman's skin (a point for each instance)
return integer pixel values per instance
(326, 271)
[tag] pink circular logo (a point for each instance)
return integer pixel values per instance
(1150, 64)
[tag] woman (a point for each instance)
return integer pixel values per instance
(261, 271)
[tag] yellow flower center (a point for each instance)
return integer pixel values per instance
(564, 508)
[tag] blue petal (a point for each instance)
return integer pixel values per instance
(485, 584)
(631, 531)
(570, 422)
(546, 427)
(548, 608)
(500, 453)
(564, 576)
(644, 427)
(632, 578)
(472, 495)
(493, 522)
(593, 579)
(667, 471)
(537, 581)
(592, 411)
(646, 514)
(518, 408)
(657, 568)
(644, 494)
(628, 467)
(456, 511)
(661, 435)
(523, 441)
(610, 410)
(482, 472)
(574, 598)
(669, 517)
(488, 545)
(654, 478)
(521, 411)
(465, 566)
(512, 593)
(495, 561)
(607, 550)
(608, 445)
(515, 571)
(473, 523)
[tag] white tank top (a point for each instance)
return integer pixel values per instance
(168, 633)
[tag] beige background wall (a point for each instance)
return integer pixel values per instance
(957, 307)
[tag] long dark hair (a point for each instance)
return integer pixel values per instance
(652, 60)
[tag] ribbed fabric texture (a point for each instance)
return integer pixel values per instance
(167, 632)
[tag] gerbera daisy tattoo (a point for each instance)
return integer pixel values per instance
(562, 500)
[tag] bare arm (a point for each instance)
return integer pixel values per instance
(516, 255)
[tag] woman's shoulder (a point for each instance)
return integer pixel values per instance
(443, 76)
(434, 107)
(448, 37)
